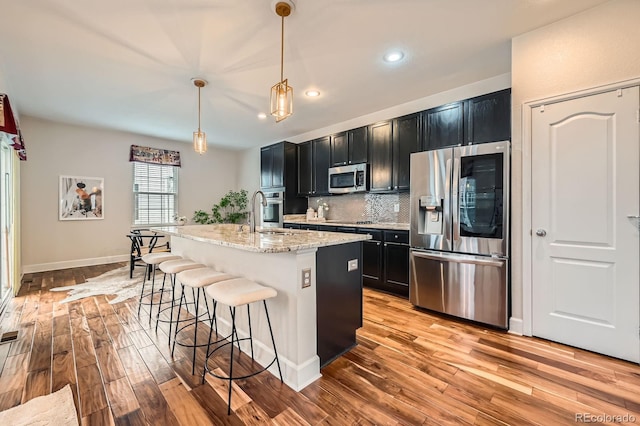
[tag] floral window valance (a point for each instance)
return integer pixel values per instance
(9, 125)
(145, 154)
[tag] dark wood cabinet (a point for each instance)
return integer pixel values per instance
(380, 157)
(385, 261)
(305, 168)
(443, 126)
(488, 117)
(349, 147)
(272, 166)
(321, 164)
(407, 139)
(358, 145)
(278, 173)
(314, 160)
(396, 261)
(372, 259)
(339, 149)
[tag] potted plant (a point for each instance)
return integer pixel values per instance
(230, 209)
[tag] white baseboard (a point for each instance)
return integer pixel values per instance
(54, 266)
(515, 326)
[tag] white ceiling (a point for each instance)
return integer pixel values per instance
(128, 64)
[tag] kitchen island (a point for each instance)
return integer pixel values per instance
(318, 276)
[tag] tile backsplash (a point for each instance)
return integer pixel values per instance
(367, 206)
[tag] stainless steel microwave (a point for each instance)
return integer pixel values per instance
(347, 179)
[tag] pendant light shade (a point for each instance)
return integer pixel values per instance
(199, 137)
(281, 92)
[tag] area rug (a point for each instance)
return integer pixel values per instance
(115, 282)
(55, 409)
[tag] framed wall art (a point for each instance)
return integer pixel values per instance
(81, 198)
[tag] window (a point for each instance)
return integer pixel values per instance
(155, 193)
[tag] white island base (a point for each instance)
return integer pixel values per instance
(292, 312)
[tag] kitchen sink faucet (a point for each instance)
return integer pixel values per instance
(252, 214)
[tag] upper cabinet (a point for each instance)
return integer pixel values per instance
(272, 165)
(444, 126)
(387, 145)
(391, 144)
(488, 117)
(407, 139)
(313, 167)
(349, 147)
(380, 158)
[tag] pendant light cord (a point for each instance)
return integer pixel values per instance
(282, 51)
(199, 109)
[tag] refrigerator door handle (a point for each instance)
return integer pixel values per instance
(455, 200)
(476, 260)
(447, 204)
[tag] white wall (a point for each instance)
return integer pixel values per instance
(593, 48)
(249, 164)
(56, 149)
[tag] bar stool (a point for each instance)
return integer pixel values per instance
(173, 267)
(198, 279)
(233, 293)
(152, 260)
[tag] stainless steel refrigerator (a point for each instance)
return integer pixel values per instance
(459, 260)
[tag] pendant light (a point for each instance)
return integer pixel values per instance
(281, 92)
(199, 137)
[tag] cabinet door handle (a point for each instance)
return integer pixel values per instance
(390, 188)
(385, 244)
(378, 243)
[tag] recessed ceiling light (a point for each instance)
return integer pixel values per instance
(262, 116)
(393, 56)
(312, 93)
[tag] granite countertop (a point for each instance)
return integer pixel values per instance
(270, 240)
(336, 222)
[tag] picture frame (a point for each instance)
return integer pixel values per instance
(81, 198)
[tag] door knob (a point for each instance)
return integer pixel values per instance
(541, 232)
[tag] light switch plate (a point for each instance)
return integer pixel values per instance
(396, 207)
(352, 265)
(306, 277)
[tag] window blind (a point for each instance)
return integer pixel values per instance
(155, 193)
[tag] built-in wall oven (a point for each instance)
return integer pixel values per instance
(272, 214)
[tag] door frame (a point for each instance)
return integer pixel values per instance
(527, 238)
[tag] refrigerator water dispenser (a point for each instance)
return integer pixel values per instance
(430, 214)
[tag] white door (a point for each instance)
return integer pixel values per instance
(585, 249)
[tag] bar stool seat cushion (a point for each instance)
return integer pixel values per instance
(179, 265)
(202, 277)
(239, 291)
(155, 258)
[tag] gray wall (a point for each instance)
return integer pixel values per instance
(56, 149)
(590, 49)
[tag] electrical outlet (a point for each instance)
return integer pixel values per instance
(352, 265)
(396, 207)
(306, 277)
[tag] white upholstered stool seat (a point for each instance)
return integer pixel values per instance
(179, 265)
(197, 279)
(155, 258)
(152, 260)
(202, 277)
(237, 292)
(172, 267)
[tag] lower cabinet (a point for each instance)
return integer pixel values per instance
(385, 257)
(385, 261)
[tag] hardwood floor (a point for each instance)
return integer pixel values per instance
(409, 368)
